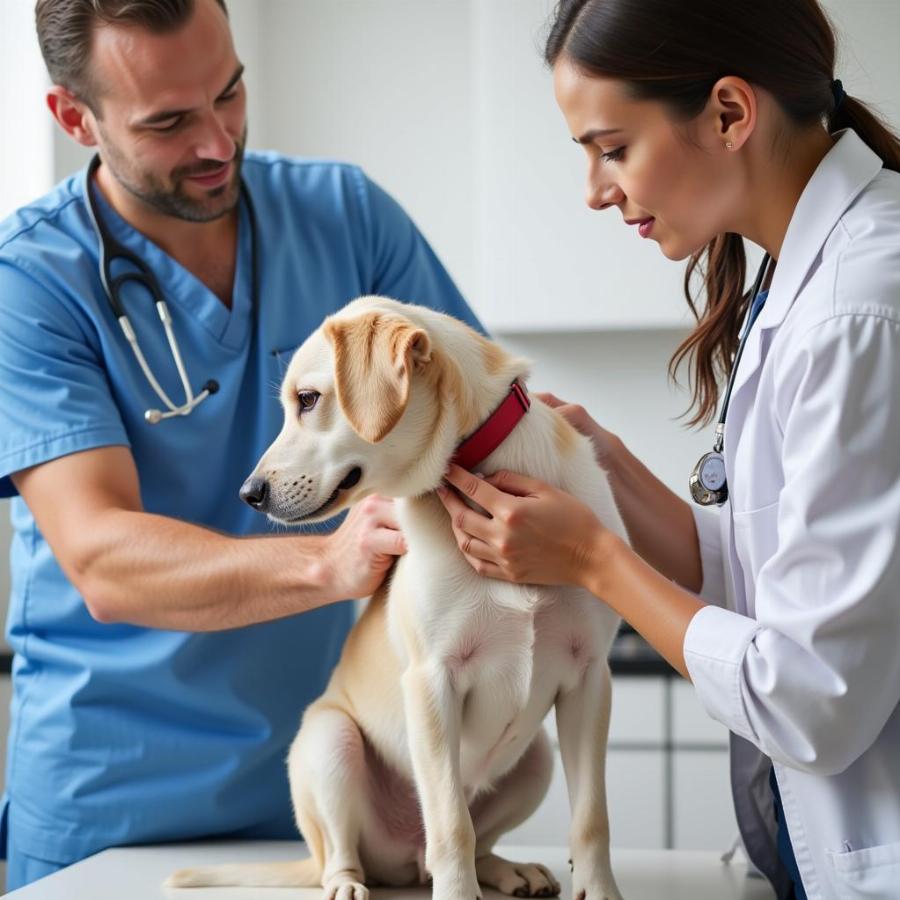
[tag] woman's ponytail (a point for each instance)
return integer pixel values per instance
(849, 112)
(711, 345)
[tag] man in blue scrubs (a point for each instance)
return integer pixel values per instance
(160, 666)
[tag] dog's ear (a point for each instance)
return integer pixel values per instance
(375, 355)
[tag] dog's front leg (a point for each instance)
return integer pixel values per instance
(582, 720)
(433, 714)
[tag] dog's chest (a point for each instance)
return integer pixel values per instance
(538, 642)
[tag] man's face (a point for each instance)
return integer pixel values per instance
(172, 113)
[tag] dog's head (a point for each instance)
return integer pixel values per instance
(373, 403)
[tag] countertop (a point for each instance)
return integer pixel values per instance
(630, 655)
(137, 873)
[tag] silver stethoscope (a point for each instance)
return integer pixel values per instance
(110, 251)
(708, 481)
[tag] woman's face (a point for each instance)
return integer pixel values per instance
(674, 189)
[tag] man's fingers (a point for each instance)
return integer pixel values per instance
(387, 542)
(382, 509)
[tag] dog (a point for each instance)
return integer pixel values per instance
(428, 745)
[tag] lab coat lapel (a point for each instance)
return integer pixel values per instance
(841, 176)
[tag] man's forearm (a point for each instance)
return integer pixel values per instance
(163, 573)
(660, 524)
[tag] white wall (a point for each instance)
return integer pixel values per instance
(395, 85)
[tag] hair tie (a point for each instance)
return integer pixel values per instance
(838, 92)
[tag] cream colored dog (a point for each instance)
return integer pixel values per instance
(427, 745)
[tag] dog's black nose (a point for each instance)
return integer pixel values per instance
(255, 491)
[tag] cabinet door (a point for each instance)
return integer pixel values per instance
(634, 786)
(635, 769)
(545, 261)
(704, 811)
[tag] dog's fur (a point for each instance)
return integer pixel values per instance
(427, 745)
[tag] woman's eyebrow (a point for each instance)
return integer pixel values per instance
(594, 133)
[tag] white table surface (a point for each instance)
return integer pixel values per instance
(137, 873)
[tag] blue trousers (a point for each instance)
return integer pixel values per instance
(785, 848)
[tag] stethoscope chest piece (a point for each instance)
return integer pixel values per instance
(708, 483)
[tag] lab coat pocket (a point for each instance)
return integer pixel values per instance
(872, 873)
(755, 542)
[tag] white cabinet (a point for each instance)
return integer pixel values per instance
(667, 777)
(546, 262)
(704, 814)
(449, 106)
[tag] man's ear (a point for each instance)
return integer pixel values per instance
(73, 115)
(375, 355)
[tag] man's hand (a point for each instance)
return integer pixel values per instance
(359, 554)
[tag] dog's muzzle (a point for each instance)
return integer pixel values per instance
(255, 492)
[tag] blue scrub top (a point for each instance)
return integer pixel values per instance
(123, 734)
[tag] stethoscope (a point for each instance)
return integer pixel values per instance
(708, 481)
(111, 250)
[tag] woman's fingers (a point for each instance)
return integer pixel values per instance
(515, 484)
(485, 495)
(550, 400)
(464, 518)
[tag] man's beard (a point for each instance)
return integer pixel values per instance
(173, 201)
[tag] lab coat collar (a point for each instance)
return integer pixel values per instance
(842, 175)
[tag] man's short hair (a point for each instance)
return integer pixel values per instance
(65, 31)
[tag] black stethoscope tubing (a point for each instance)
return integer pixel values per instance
(754, 294)
(110, 250)
(708, 483)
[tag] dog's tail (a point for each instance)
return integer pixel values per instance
(299, 873)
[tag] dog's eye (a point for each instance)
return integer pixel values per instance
(307, 400)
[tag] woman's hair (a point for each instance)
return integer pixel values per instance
(65, 31)
(675, 53)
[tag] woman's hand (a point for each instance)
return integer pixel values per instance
(606, 444)
(530, 532)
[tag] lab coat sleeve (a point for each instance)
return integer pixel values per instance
(405, 266)
(56, 397)
(709, 536)
(813, 680)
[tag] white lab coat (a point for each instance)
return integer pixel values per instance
(798, 653)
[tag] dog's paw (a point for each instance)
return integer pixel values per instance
(603, 889)
(455, 884)
(516, 879)
(342, 888)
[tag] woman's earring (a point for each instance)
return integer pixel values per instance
(729, 145)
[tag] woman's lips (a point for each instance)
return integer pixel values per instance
(645, 227)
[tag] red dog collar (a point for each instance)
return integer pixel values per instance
(479, 445)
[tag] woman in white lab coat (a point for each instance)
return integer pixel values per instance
(705, 123)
